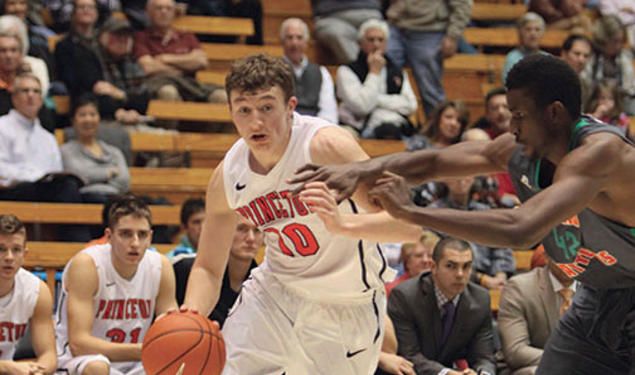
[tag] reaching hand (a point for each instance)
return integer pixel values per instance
(392, 194)
(322, 201)
(24, 368)
(181, 309)
(342, 178)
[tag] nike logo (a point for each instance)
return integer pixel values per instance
(352, 354)
(180, 372)
(239, 186)
(110, 284)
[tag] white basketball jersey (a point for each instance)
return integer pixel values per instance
(16, 309)
(300, 251)
(123, 308)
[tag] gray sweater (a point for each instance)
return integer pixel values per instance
(449, 16)
(326, 7)
(78, 160)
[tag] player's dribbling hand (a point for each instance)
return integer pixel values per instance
(392, 194)
(322, 201)
(342, 178)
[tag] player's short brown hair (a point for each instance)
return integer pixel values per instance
(10, 224)
(128, 204)
(260, 72)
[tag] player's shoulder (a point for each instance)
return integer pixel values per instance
(601, 151)
(332, 144)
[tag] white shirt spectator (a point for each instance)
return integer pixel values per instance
(359, 100)
(27, 151)
(327, 102)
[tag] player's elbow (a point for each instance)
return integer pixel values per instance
(522, 233)
(79, 345)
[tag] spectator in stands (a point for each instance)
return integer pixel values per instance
(375, 94)
(336, 24)
(102, 166)
(444, 128)
(530, 306)
(112, 74)
(246, 242)
(612, 60)
(26, 304)
(625, 10)
(443, 322)
(34, 65)
(313, 84)
(65, 12)
(531, 29)
(606, 104)
(192, 216)
(422, 34)
(11, 65)
(171, 58)
(38, 44)
(230, 8)
(562, 14)
(492, 265)
(576, 51)
(389, 361)
(496, 122)
(415, 258)
(100, 278)
(79, 45)
(30, 160)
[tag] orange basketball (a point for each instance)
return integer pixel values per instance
(183, 339)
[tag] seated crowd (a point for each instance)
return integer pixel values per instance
(439, 319)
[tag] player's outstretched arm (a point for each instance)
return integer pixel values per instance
(81, 284)
(166, 299)
(580, 177)
(333, 145)
(463, 159)
(42, 332)
(206, 277)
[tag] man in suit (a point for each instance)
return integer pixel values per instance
(530, 306)
(443, 322)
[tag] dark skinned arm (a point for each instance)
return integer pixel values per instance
(580, 177)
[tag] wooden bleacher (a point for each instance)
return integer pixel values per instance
(508, 37)
(215, 25)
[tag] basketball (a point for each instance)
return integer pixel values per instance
(183, 343)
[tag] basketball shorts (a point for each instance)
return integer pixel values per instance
(274, 330)
(76, 365)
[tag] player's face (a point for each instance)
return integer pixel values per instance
(263, 119)
(527, 123)
(247, 240)
(129, 239)
(12, 251)
(86, 121)
(194, 226)
(497, 112)
(530, 35)
(578, 56)
(449, 125)
(420, 260)
(453, 271)
(294, 42)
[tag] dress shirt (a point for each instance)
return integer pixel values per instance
(557, 286)
(27, 151)
(327, 105)
(360, 99)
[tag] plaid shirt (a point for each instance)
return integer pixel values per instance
(442, 299)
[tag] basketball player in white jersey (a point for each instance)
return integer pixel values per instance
(25, 301)
(109, 296)
(316, 305)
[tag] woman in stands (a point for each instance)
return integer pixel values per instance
(102, 166)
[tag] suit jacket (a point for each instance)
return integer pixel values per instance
(412, 306)
(527, 313)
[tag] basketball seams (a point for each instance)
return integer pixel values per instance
(209, 349)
